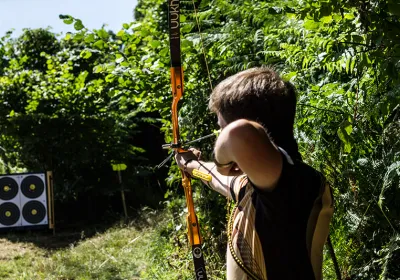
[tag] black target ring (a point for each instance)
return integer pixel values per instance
(32, 186)
(34, 212)
(9, 213)
(8, 188)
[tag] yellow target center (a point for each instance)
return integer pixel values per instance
(34, 212)
(6, 188)
(8, 214)
(32, 187)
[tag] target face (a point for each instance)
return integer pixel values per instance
(8, 188)
(9, 214)
(32, 186)
(34, 212)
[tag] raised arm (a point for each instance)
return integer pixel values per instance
(246, 144)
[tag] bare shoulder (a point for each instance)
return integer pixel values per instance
(255, 154)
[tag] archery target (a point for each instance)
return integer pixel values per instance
(8, 188)
(33, 199)
(23, 200)
(10, 201)
(9, 214)
(34, 212)
(32, 186)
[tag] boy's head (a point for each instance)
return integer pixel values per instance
(260, 95)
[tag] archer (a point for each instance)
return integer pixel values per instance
(283, 206)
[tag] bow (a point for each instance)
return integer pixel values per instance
(177, 92)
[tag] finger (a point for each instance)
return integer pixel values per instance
(196, 152)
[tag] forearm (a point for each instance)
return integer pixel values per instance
(219, 182)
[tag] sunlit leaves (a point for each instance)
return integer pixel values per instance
(86, 54)
(99, 44)
(344, 133)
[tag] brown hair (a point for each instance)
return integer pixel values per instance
(260, 95)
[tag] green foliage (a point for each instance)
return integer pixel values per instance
(342, 56)
(59, 112)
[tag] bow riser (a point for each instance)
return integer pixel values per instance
(177, 92)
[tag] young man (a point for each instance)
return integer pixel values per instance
(283, 206)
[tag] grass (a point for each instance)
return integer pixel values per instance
(121, 252)
(143, 249)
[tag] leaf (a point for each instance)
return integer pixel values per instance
(182, 18)
(86, 54)
(348, 63)
(67, 19)
(186, 43)
(344, 132)
(164, 52)
(327, 19)
(289, 76)
(352, 65)
(118, 166)
(99, 44)
(349, 16)
(388, 180)
(102, 34)
(348, 128)
(67, 36)
(311, 25)
(78, 25)
(144, 32)
(98, 69)
(110, 78)
(90, 38)
(155, 43)
(121, 33)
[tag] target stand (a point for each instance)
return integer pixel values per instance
(26, 201)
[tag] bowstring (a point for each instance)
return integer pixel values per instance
(202, 44)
